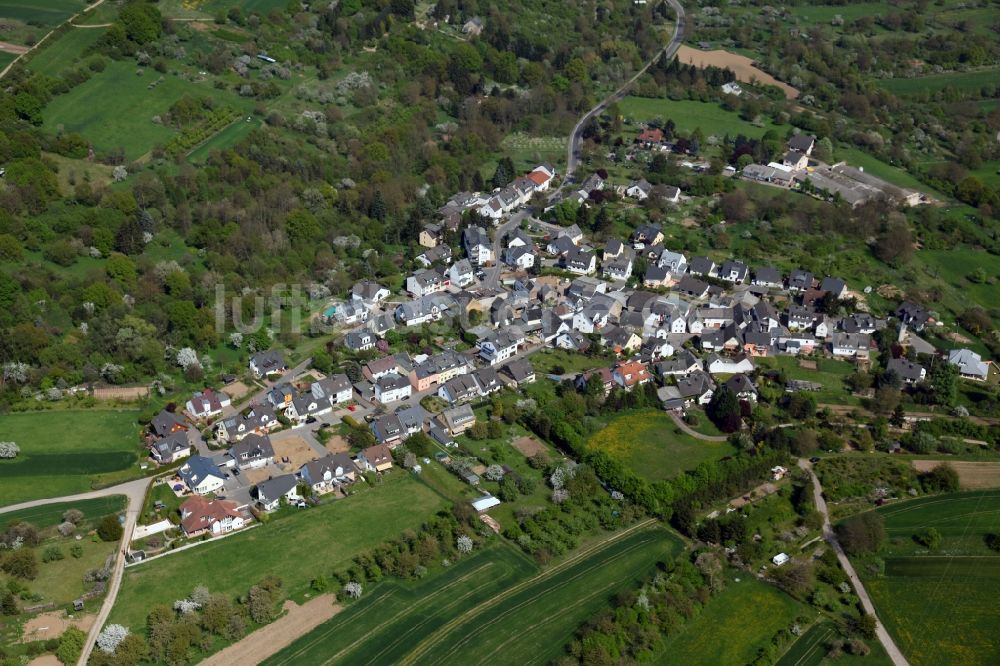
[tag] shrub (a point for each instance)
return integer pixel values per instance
(110, 529)
(70, 645)
(929, 538)
(53, 554)
(863, 533)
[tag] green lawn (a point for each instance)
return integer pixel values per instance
(828, 372)
(941, 606)
(65, 452)
(50, 515)
(62, 581)
(733, 626)
(6, 58)
(115, 108)
(963, 81)
(651, 444)
(63, 52)
(227, 138)
(954, 265)
(42, 12)
(487, 609)
(688, 115)
(297, 547)
(550, 360)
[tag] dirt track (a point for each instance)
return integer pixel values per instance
(971, 475)
(274, 637)
(14, 48)
(741, 66)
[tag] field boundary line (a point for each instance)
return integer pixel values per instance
(421, 648)
(493, 620)
(387, 595)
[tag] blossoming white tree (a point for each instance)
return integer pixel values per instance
(112, 636)
(353, 590)
(464, 544)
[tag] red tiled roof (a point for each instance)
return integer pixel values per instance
(538, 177)
(202, 512)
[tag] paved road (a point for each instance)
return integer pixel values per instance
(261, 396)
(492, 280)
(135, 492)
(668, 51)
(831, 537)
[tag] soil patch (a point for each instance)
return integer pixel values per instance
(45, 660)
(741, 66)
(14, 48)
(528, 446)
(236, 390)
(255, 476)
(971, 475)
(52, 625)
(272, 638)
(295, 449)
(338, 444)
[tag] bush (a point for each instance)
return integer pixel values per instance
(110, 529)
(70, 645)
(53, 554)
(76, 551)
(929, 538)
(863, 533)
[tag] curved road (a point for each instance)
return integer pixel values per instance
(679, 422)
(135, 492)
(573, 150)
(831, 537)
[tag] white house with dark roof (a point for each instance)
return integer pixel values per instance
(392, 387)
(268, 494)
(908, 371)
(270, 362)
(477, 244)
(207, 404)
(201, 475)
(970, 364)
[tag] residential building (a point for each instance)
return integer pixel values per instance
(970, 364)
(252, 452)
(392, 387)
(328, 473)
(520, 371)
(501, 345)
(908, 371)
(200, 515)
(458, 419)
(376, 458)
(852, 345)
(268, 494)
(629, 374)
(388, 430)
(265, 363)
(201, 475)
(207, 404)
(171, 448)
(478, 247)
(166, 423)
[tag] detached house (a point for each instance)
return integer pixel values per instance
(167, 423)
(580, 261)
(368, 293)
(268, 494)
(252, 452)
(767, 276)
(460, 274)
(267, 363)
(501, 345)
(970, 364)
(392, 387)
(520, 371)
(359, 340)
(388, 430)
(376, 458)
(851, 345)
(206, 404)
(908, 371)
(743, 388)
(430, 235)
(639, 189)
(629, 374)
(327, 473)
(200, 515)
(459, 389)
(426, 282)
(734, 271)
(458, 419)
(478, 247)
(201, 475)
(171, 448)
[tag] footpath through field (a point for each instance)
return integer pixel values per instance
(883, 635)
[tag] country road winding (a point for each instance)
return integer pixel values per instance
(135, 492)
(573, 150)
(831, 538)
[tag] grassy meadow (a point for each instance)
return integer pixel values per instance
(50, 515)
(64, 51)
(297, 547)
(651, 444)
(65, 452)
(463, 616)
(688, 115)
(733, 626)
(922, 593)
(961, 81)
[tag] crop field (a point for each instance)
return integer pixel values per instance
(296, 547)
(962, 81)
(922, 594)
(42, 12)
(114, 109)
(729, 614)
(972, 475)
(63, 52)
(689, 115)
(650, 443)
(50, 515)
(491, 608)
(63, 451)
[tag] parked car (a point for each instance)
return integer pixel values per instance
(301, 504)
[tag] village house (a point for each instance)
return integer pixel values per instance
(268, 494)
(392, 387)
(426, 281)
(376, 458)
(201, 475)
(519, 371)
(767, 276)
(629, 374)
(743, 388)
(266, 363)
(580, 261)
(388, 429)
(461, 274)
(639, 189)
(167, 423)
(440, 254)
(459, 389)
(478, 247)
(850, 345)
(359, 340)
(258, 418)
(200, 515)
(207, 404)
(908, 371)
(970, 364)
(457, 420)
(501, 345)
(328, 473)
(369, 294)
(430, 235)
(252, 452)
(171, 448)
